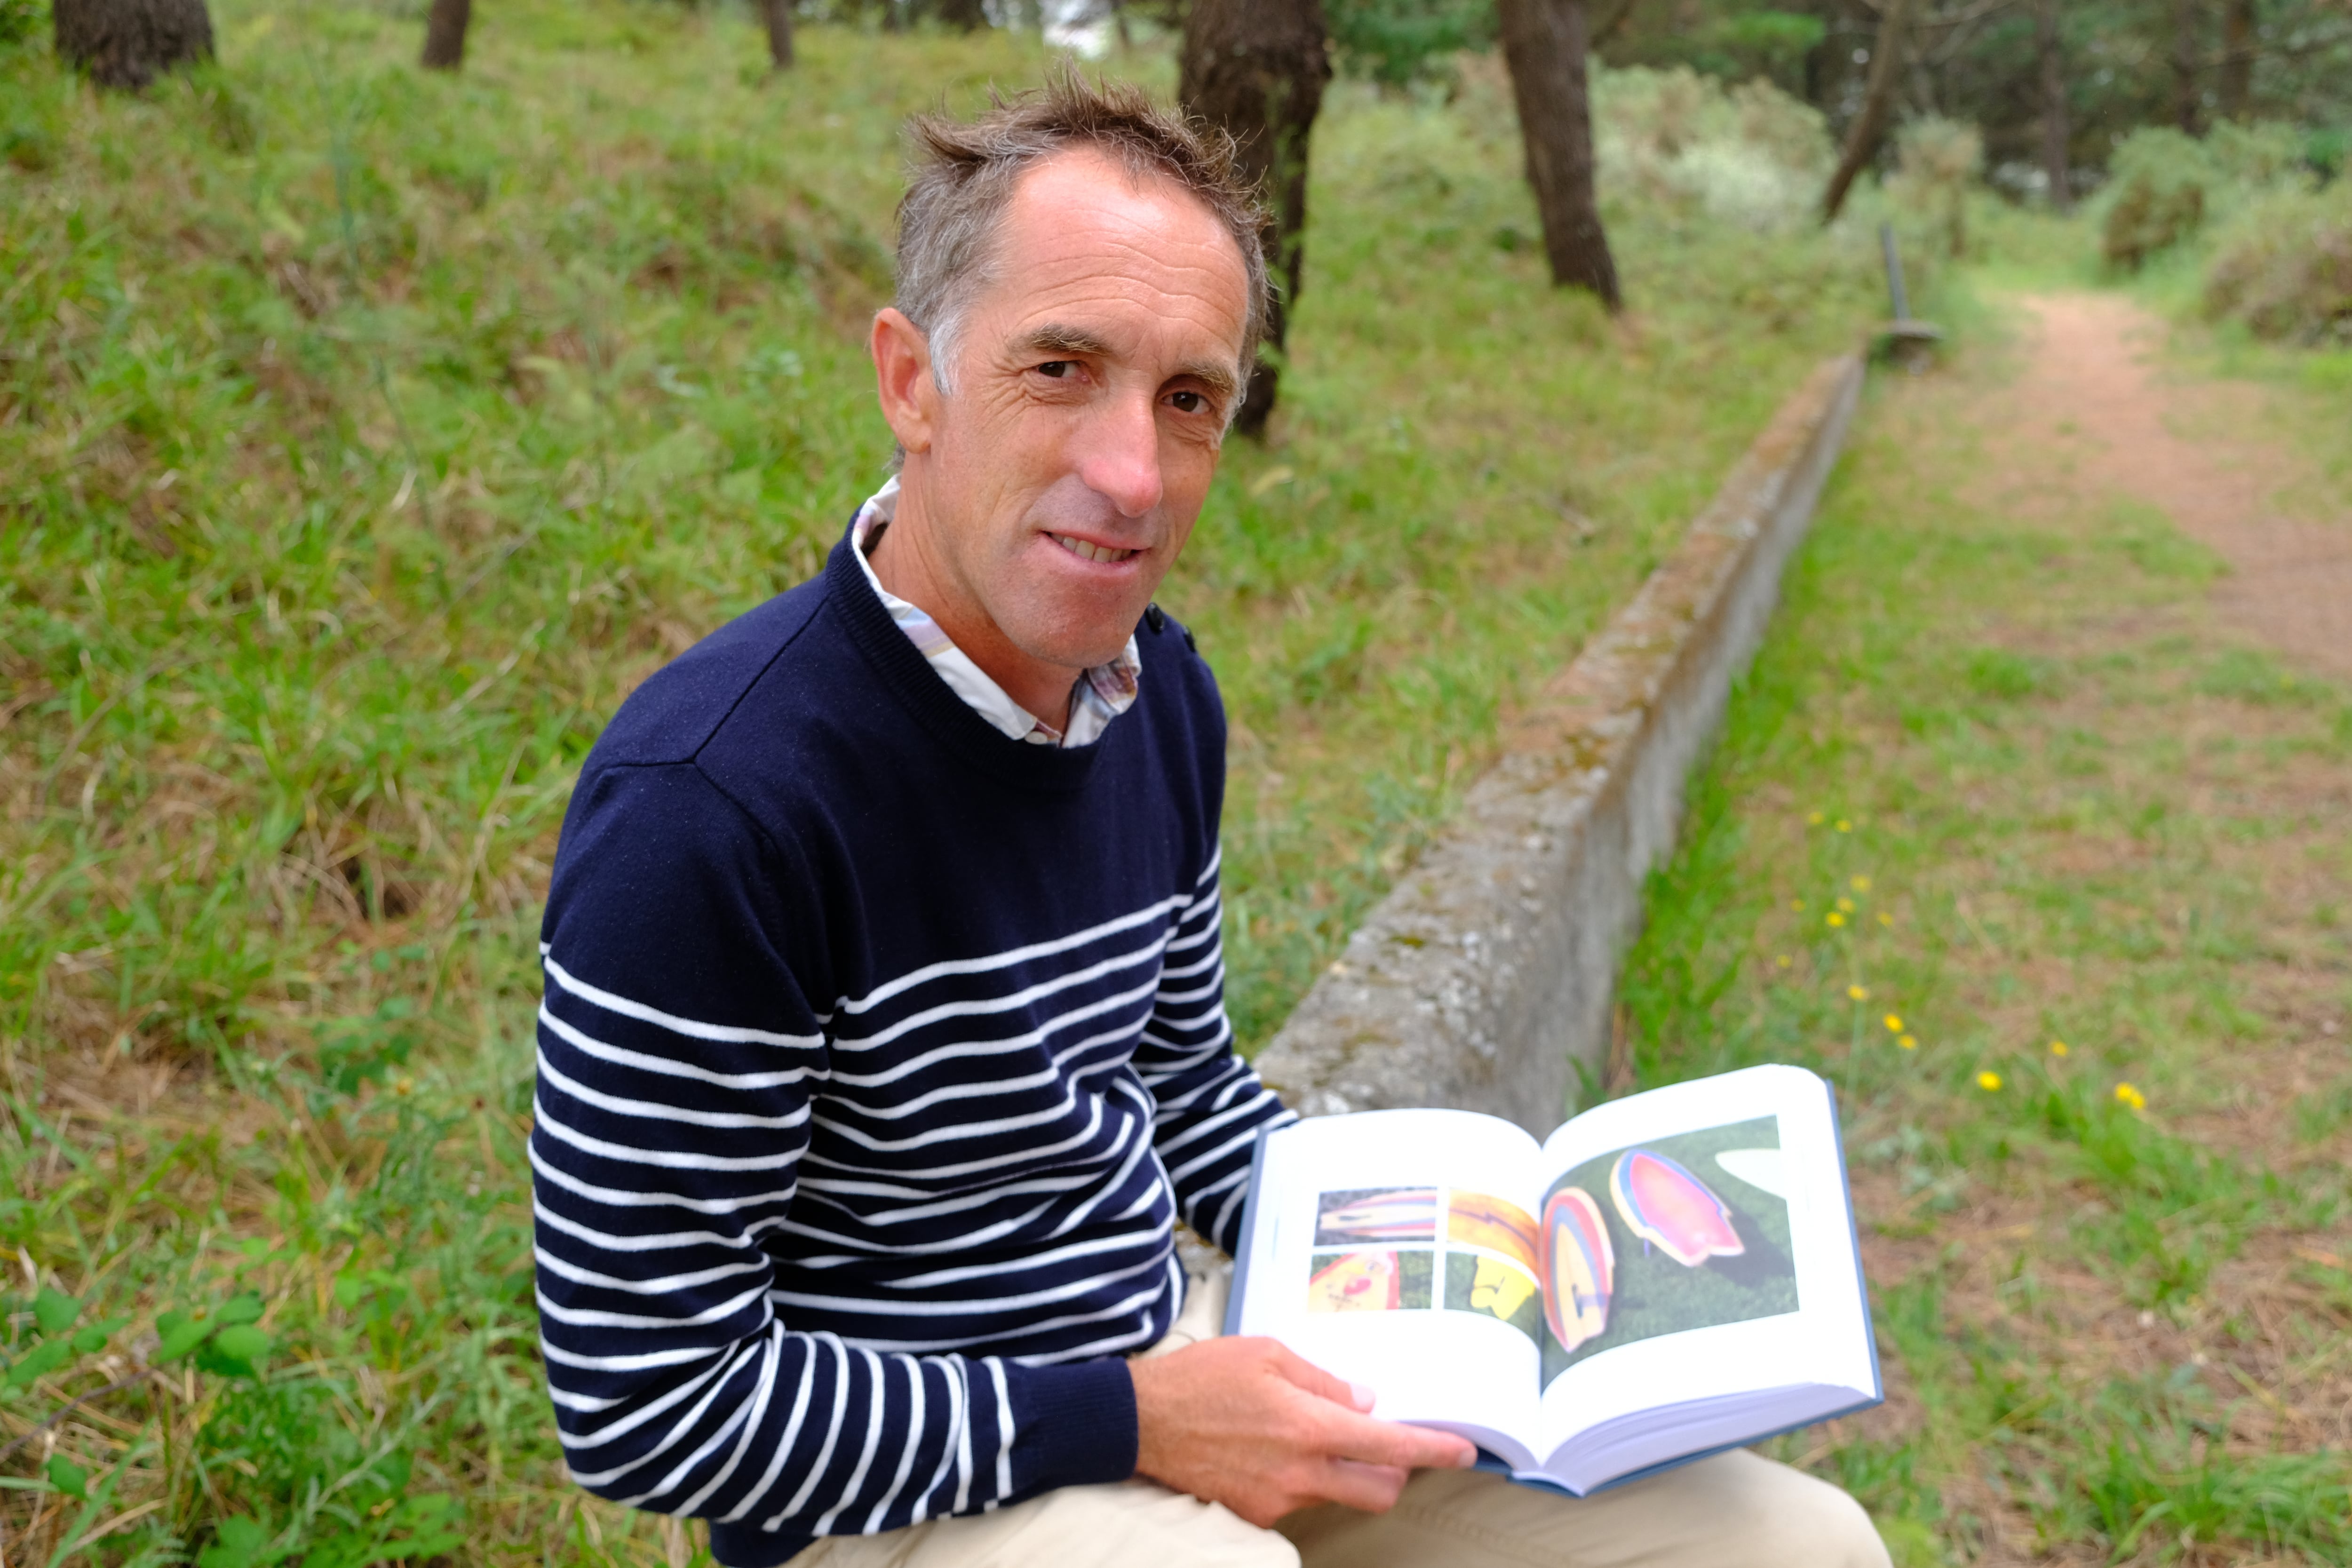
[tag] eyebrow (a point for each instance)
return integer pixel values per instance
(1055, 339)
(1219, 378)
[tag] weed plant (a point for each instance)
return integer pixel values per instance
(2042, 869)
(366, 435)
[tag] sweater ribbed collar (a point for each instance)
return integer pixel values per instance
(934, 704)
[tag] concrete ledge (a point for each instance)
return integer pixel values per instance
(1493, 965)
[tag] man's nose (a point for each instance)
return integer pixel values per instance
(1122, 460)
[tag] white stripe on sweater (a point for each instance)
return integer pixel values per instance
(931, 972)
(725, 1034)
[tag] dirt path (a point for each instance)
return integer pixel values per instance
(2290, 584)
(2094, 877)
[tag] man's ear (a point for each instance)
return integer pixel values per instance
(902, 378)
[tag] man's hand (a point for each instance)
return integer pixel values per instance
(1245, 1423)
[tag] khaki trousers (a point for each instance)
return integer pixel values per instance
(1734, 1510)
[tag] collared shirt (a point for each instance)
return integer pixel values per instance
(1099, 696)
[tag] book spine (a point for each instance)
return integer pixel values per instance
(1853, 1236)
(1249, 1239)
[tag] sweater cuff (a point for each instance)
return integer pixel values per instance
(1073, 1425)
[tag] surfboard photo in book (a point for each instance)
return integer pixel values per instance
(1666, 1276)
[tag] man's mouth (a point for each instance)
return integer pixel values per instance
(1085, 552)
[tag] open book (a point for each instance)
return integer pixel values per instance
(1666, 1276)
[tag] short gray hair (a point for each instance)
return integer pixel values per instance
(965, 172)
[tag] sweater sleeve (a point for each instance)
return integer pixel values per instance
(679, 1058)
(1210, 1102)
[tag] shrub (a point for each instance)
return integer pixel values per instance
(2165, 185)
(1936, 161)
(20, 19)
(2258, 156)
(2324, 151)
(2159, 181)
(2286, 267)
(1752, 156)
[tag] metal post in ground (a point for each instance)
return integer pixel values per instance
(1908, 341)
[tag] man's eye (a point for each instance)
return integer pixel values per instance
(1056, 368)
(1189, 402)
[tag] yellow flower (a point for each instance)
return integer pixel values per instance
(1815, 818)
(1885, 919)
(2057, 1048)
(1846, 904)
(2127, 1095)
(1989, 1081)
(1862, 884)
(1893, 1024)
(1908, 1042)
(1843, 826)
(1835, 918)
(1782, 961)
(1859, 992)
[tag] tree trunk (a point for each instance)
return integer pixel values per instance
(778, 14)
(2057, 132)
(1258, 68)
(127, 43)
(444, 34)
(967, 15)
(2184, 65)
(1544, 44)
(2238, 58)
(1878, 106)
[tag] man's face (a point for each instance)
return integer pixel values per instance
(1092, 378)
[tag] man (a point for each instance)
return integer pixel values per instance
(884, 1039)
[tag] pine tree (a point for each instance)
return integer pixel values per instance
(129, 43)
(1544, 44)
(1257, 68)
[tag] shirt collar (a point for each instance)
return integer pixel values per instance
(1100, 695)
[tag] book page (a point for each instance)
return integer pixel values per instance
(1394, 1248)
(1699, 1245)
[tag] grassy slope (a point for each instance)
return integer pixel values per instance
(365, 437)
(1996, 738)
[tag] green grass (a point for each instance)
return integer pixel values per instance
(1998, 780)
(365, 435)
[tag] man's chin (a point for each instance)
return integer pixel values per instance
(1081, 656)
(1077, 631)
(1082, 645)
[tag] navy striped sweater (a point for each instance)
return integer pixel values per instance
(878, 1054)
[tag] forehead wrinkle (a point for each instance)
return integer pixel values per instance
(1063, 266)
(1088, 314)
(1144, 235)
(1154, 250)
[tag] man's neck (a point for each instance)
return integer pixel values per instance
(909, 562)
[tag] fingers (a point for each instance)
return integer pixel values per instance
(1368, 1441)
(1368, 1488)
(1393, 1444)
(1316, 1381)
